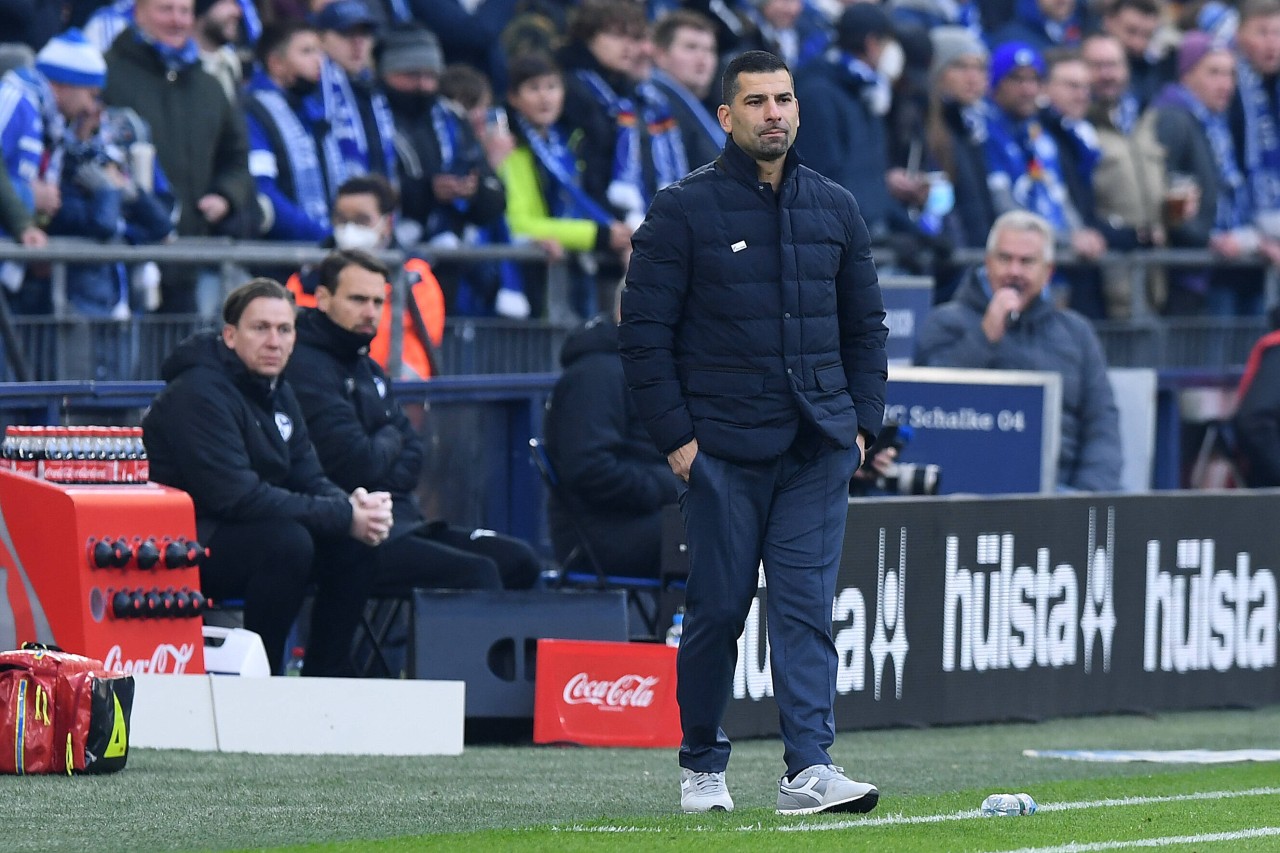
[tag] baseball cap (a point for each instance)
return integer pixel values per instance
(344, 16)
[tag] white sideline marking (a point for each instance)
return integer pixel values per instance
(1167, 841)
(901, 820)
(893, 820)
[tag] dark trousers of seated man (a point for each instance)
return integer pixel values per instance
(271, 564)
(437, 555)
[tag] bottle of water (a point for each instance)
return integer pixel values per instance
(294, 665)
(676, 629)
(1008, 805)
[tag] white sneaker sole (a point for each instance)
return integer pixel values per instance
(860, 804)
(706, 811)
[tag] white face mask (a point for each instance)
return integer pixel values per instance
(353, 236)
(892, 61)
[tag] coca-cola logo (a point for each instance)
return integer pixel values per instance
(627, 691)
(167, 658)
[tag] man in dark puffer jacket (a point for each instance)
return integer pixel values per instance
(364, 439)
(753, 343)
(228, 431)
(604, 458)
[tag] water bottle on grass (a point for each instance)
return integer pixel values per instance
(1008, 805)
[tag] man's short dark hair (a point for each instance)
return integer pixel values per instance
(466, 85)
(275, 39)
(255, 288)
(374, 185)
(592, 17)
(529, 66)
(664, 31)
(339, 259)
(1146, 8)
(1250, 9)
(751, 62)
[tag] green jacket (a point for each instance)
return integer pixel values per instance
(199, 135)
(527, 213)
(14, 216)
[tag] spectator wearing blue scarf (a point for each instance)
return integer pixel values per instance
(1192, 125)
(1024, 167)
(200, 139)
(1255, 110)
(293, 156)
(1064, 117)
(545, 199)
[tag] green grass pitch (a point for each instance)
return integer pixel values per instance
(568, 799)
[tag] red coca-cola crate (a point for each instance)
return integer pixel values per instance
(606, 694)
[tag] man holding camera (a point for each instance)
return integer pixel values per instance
(1001, 318)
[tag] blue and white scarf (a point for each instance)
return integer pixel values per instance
(627, 188)
(109, 21)
(1261, 138)
(872, 86)
(1125, 113)
(310, 191)
(1234, 207)
(1027, 157)
(706, 122)
(569, 200)
(1084, 139)
(175, 59)
(343, 113)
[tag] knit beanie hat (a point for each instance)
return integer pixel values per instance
(409, 48)
(1195, 46)
(1014, 55)
(951, 44)
(70, 59)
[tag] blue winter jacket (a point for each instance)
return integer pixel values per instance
(746, 313)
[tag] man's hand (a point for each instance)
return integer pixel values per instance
(48, 198)
(1089, 243)
(214, 208)
(370, 517)
(681, 459)
(1004, 303)
(909, 188)
(33, 238)
(447, 188)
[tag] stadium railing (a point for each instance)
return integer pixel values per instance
(65, 346)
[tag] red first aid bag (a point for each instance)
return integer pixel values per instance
(62, 713)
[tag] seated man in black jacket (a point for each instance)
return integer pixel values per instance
(604, 458)
(364, 439)
(227, 430)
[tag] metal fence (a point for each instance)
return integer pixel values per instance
(66, 347)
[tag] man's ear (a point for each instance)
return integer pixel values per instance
(229, 335)
(323, 297)
(726, 120)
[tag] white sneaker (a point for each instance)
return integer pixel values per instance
(824, 788)
(703, 792)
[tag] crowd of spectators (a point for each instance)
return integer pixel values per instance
(1126, 124)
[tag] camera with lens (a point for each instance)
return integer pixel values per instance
(902, 478)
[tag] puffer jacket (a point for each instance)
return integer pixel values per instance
(362, 436)
(747, 313)
(1048, 339)
(237, 444)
